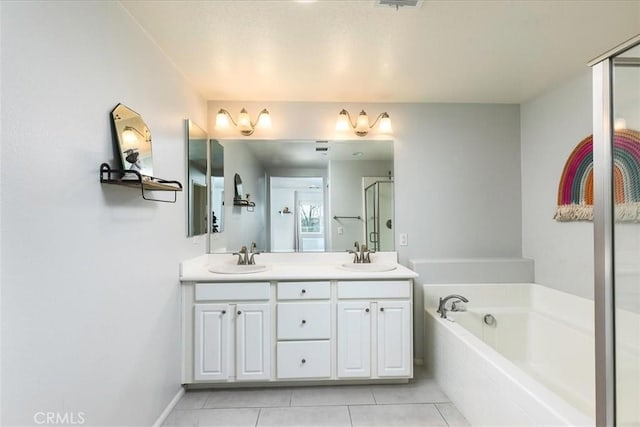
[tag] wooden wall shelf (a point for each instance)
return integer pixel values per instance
(134, 179)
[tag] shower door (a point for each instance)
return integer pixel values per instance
(626, 234)
(616, 154)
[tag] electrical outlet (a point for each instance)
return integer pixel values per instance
(404, 239)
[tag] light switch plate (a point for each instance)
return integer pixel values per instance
(404, 239)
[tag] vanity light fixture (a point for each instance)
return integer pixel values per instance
(244, 123)
(361, 126)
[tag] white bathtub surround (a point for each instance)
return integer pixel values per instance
(535, 367)
(304, 319)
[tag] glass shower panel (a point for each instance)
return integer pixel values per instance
(379, 216)
(626, 229)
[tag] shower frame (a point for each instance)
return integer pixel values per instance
(603, 220)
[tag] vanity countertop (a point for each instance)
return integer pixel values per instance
(293, 266)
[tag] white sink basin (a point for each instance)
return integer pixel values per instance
(237, 269)
(368, 268)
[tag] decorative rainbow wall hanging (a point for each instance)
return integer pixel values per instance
(575, 192)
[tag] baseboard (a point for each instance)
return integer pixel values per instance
(163, 416)
(418, 362)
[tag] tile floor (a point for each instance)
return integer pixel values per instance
(419, 403)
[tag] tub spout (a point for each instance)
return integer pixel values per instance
(443, 301)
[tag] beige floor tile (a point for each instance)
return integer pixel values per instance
(339, 395)
(249, 398)
(418, 415)
(307, 416)
(239, 417)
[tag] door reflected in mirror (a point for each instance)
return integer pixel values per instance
(309, 195)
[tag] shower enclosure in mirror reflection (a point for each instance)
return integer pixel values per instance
(200, 154)
(309, 195)
(379, 215)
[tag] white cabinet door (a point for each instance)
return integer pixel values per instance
(394, 338)
(253, 342)
(212, 341)
(354, 339)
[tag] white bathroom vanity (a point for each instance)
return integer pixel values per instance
(301, 317)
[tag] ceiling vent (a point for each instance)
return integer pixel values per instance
(397, 4)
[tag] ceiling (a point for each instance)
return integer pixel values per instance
(355, 51)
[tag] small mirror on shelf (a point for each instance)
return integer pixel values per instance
(238, 188)
(134, 140)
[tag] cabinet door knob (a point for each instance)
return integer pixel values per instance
(381, 308)
(367, 310)
(224, 311)
(304, 321)
(304, 291)
(239, 312)
(304, 361)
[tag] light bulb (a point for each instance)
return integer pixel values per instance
(385, 124)
(342, 124)
(129, 137)
(222, 120)
(362, 124)
(244, 122)
(619, 123)
(264, 119)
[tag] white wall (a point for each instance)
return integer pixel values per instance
(456, 174)
(90, 301)
(551, 126)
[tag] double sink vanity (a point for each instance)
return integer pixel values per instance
(296, 317)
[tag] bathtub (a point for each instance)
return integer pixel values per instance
(533, 366)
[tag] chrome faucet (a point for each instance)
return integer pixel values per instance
(361, 254)
(443, 301)
(243, 255)
(254, 252)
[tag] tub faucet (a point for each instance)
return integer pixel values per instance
(443, 301)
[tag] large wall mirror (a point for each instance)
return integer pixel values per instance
(204, 202)
(310, 196)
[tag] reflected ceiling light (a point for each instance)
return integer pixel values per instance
(244, 123)
(129, 135)
(361, 127)
(619, 123)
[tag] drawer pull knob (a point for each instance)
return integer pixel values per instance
(381, 308)
(304, 361)
(239, 312)
(367, 310)
(224, 311)
(304, 321)
(304, 291)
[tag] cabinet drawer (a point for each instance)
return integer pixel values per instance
(303, 290)
(232, 291)
(304, 320)
(304, 359)
(371, 289)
